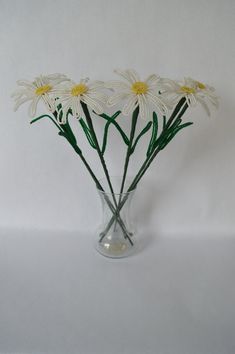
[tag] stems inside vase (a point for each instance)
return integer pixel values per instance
(177, 112)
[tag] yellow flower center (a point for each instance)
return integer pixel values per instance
(139, 88)
(79, 89)
(200, 85)
(43, 89)
(187, 89)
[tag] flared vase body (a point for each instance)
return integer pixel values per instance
(116, 232)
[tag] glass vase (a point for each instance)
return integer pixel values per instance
(116, 232)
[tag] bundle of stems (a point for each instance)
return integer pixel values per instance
(159, 139)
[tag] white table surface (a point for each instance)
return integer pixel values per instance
(58, 295)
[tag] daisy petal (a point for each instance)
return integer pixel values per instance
(157, 102)
(27, 84)
(125, 75)
(116, 98)
(95, 106)
(95, 85)
(77, 108)
(130, 106)
(98, 96)
(152, 80)
(143, 105)
(133, 75)
(20, 102)
(204, 105)
(49, 102)
(33, 106)
(117, 85)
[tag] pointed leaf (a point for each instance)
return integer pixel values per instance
(106, 128)
(144, 131)
(124, 137)
(87, 133)
(173, 133)
(154, 133)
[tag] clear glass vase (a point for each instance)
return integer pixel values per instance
(116, 232)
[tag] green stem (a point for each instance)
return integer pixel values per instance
(148, 161)
(128, 153)
(92, 130)
(98, 185)
(90, 124)
(68, 135)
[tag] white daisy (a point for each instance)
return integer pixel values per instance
(193, 91)
(37, 90)
(138, 93)
(71, 94)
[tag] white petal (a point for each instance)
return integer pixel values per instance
(95, 85)
(98, 96)
(204, 105)
(56, 78)
(192, 99)
(188, 101)
(22, 92)
(20, 102)
(66, 107)
(130, 106)
(84, 81)
(133, 75)
(33, 106)
(125, 75)
(152, 80)
(116, 98)
(169, 85)
(41, 81)
(27, 84)
(143, 105)
(213, 99)
(67, 85)
(76, 107)
(50, 104)
(61, 92)
(120, 85)
(157, 102)
(95, 106)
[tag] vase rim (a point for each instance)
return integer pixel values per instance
(118, 180)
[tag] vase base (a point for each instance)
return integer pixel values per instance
(114, 249)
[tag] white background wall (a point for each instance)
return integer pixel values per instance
(190, 187)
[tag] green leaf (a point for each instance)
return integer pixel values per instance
(60, 116)
(76, 148)
(40, 117)
(87, 133)
(105, 136)
(144, 131)
(187, 124)
(178, 108)
(45, 116)
(172, 134)
(164, 123)
(66, 127)
(181, 113)
(106, 128)
(116, 114)
(154, 133)
(124, 137)
(176, 123)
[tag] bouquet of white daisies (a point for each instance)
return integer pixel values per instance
(160, 102)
